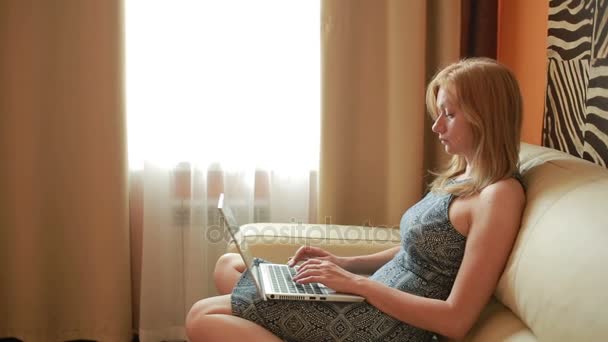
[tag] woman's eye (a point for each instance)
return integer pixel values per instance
(449, 115)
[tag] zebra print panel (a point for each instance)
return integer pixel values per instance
(596, 120)
(570, 29)
(576, 106)
(600, 30)
(565, 105)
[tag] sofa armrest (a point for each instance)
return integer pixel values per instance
(278, 241)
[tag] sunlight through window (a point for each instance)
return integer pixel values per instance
(232, 81)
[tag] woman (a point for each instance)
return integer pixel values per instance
(455, 241)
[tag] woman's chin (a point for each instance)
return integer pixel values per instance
(447, 149)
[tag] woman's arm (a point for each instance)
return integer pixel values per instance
(368, 264)
(362, 264)
(495, 222)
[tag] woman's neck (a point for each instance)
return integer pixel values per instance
(466, 174)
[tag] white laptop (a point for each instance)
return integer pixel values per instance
(273, 281)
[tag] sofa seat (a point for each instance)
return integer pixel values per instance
(553, 287)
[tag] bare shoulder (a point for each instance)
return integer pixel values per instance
(504, 192)
(502, 201)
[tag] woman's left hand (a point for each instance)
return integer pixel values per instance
(326, 273)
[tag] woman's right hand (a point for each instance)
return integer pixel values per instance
(309, 252)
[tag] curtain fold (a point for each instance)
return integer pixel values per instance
(376, 143)
(479, 28)
(64, 240)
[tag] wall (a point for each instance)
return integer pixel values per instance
(522, 45)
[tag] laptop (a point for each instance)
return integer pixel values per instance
(274, 281)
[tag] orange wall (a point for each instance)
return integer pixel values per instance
(522, 46)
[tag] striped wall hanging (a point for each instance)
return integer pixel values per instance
(576, 105)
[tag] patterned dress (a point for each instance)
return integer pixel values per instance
(426, 265)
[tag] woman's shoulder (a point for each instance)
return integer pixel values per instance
(504, 191)
(498, 204)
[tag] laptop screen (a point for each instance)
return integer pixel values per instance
(233, 229)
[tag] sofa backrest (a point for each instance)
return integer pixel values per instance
(556, 280)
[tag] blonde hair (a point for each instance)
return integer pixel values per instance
(489, 98)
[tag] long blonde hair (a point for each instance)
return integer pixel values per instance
(490, 99)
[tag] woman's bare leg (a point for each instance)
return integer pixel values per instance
(228, 270)
(211, 319)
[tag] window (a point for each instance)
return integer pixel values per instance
(232, 81)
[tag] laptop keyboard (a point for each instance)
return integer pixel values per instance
(282, 281)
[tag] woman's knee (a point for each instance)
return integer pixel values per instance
(195, 322)
(209, 306)
(195, 312)
(228, 262)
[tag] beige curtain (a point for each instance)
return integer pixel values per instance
(376, 142)
(64, 240)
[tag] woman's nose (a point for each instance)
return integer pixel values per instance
(438, 125)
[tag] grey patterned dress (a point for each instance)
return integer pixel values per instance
(426, 265)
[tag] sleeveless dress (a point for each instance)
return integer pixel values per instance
(426, 265)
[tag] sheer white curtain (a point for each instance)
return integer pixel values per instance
(222, 96)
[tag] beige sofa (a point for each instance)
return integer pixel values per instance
(555, 285)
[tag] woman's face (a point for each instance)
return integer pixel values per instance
(453, 129)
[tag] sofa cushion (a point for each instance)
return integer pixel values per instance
(555, 280)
